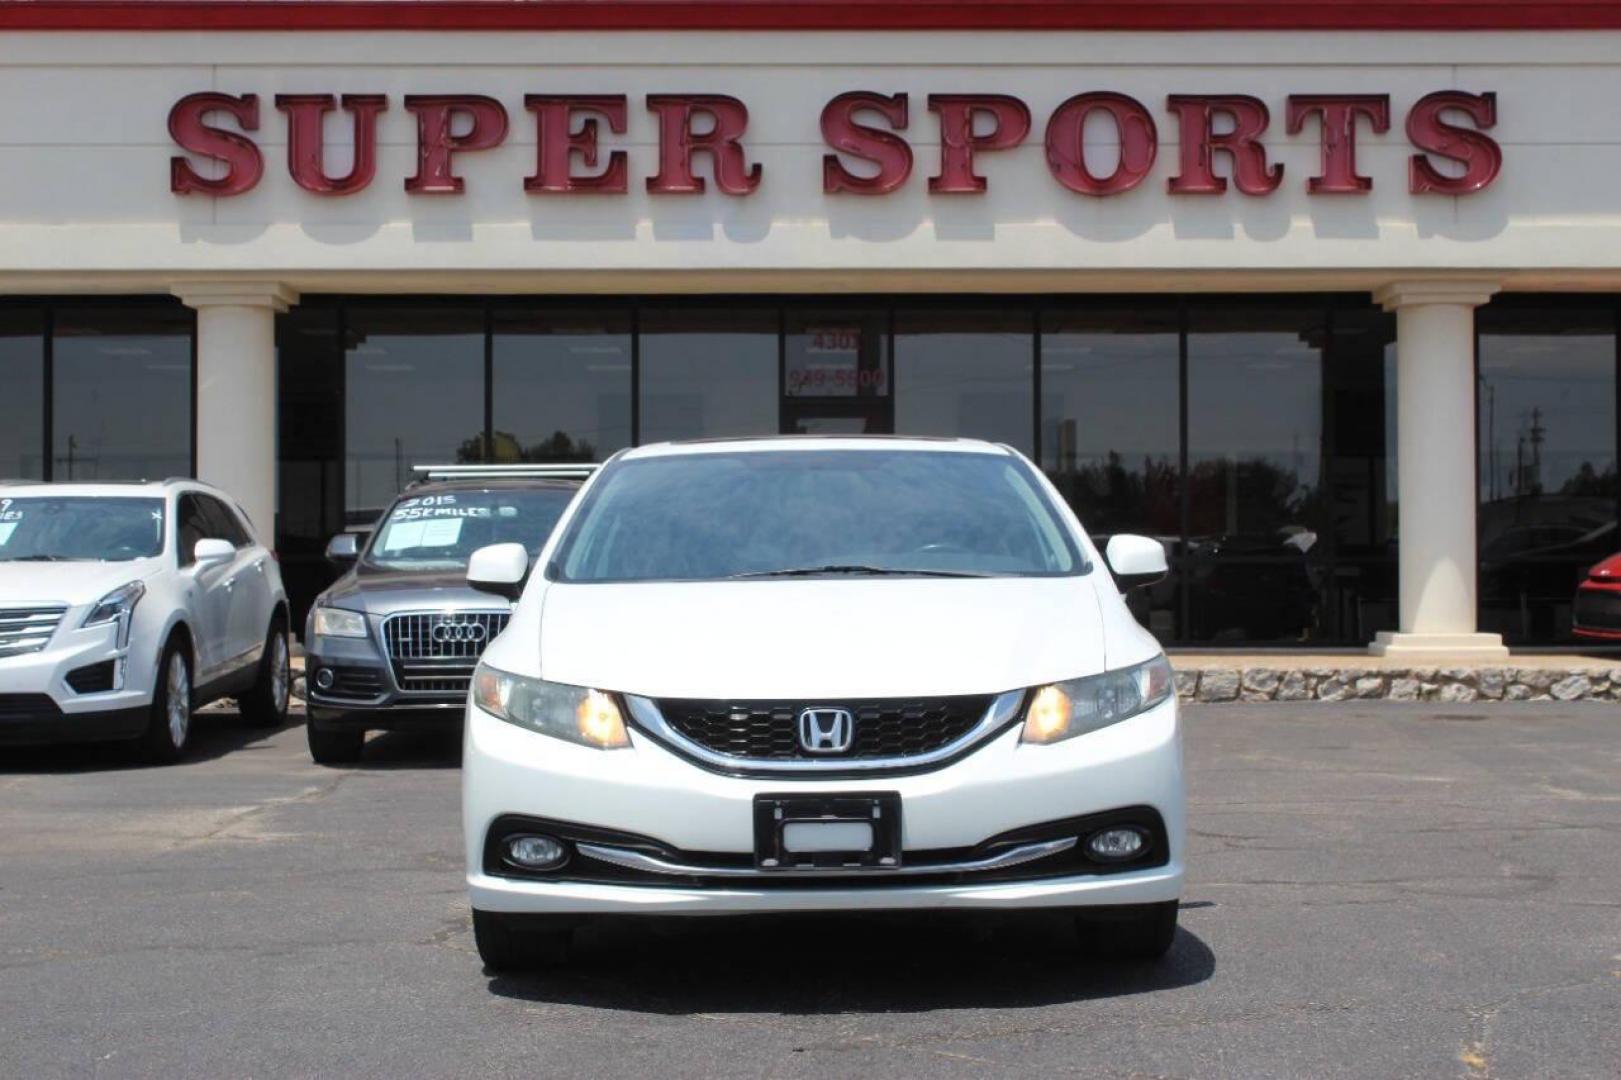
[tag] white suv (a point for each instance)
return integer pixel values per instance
(812, 674)
(123, 607)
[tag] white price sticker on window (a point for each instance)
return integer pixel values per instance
(441, 532)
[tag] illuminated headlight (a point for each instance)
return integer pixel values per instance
(1060, 711)
(118, 607)
(336, 622)
(575, 713)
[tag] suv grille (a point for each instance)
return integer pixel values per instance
(435, 652)
(28, 629)
(769, 730)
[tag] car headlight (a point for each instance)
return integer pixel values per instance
(1060, 711)
(336, 622)
(575, 713)
(118, 607)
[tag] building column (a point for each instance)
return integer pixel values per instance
(236, 390)
(1435, 472)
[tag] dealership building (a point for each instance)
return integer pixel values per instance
(1323, 295)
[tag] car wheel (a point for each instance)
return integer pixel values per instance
(1131, 932)
(329, 746)
(168, 728)
(521, 942)
(265, 705)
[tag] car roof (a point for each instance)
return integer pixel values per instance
(434, 487)
(911, 443)
(109, 488)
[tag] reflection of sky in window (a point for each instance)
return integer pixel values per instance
(122, 402)
(707, 383)
(962, 383)
(1255, 395)
(1570, 381)
(1108, 392)
(567, 373)
(413, 399)
(22, 401)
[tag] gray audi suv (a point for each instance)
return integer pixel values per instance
(392, 644)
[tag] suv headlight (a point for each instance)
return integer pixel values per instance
(118, 607)
(575, 713)
(336, 622)
(1060, 711)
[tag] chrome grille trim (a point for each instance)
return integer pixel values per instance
(443, 667)
(645, 713)
(628, 859)
(28, 629)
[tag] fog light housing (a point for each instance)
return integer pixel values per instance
(324, 678)
(1117, 844)
(535, 852)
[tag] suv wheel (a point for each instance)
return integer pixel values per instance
(334, 746)
(168, 729)
(1132, 932)
(265, 705)
(522, 942)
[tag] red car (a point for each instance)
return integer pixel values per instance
(1597, 613)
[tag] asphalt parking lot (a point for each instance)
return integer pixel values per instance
(1376, 890)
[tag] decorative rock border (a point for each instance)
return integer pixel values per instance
(1214, 685)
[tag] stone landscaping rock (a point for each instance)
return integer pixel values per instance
(1490, 682)
(1370, 686)
(1536, 678)
(1218, 685)
(1451, 685)
(1403, 690)
(1456, 691)
(1571, 688)
(1187, 682)
(1334, 688)
(1517, 692)
(1262, 680)
(1293, 687)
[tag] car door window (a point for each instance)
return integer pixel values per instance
(222, 523)
(191, 525)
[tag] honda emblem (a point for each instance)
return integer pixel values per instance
(824, 730)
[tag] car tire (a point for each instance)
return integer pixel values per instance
(168, 726)
(508, 943)
(265, 704)
(334, 746)
(1139, 932)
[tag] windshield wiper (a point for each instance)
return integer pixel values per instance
(855, 568)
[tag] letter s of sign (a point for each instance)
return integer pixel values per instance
(1479, 154)
(244, 165)
(306, 147)
(435, 114)
(1066, 155)
(728, 117)
(891, 153)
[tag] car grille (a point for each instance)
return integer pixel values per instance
(359, 683)
(1598, 609)
(28, 629)
(769, 730)
(434, 653)
(27, 708)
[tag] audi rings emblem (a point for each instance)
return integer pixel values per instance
(465, 633)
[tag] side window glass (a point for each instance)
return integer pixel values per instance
(190, 527)
(225, 523)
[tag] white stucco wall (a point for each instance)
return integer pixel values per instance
(84, 160)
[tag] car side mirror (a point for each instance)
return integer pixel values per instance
(212, 552)
(343, 549)
(1136, 560)
(501, 569)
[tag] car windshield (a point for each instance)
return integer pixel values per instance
(808, 513)
(440, 531)
(79, 527)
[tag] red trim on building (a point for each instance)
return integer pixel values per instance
(1161, 15)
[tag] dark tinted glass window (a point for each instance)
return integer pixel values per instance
(122, 394)
(1255, 471)
(222, 523)
(708, 373)
(22, 402)
(415, 397)
(966, 373)
(561, 384)
(191, 525)
(1547, 434)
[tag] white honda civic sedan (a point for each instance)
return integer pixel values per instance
(787, 675)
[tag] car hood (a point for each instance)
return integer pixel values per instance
(70, 583)
(383, 592)
(891, 637)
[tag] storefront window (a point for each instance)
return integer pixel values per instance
(966, 373)
(1110, 441)
(1547, 443)
(122, 393)
(708, 373)
(22, 405)
(836, 372)
(415, 396)
(562, 384)
(1255, 498)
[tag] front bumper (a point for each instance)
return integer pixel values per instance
(365, 695)
(1001, 788)
(39, 705)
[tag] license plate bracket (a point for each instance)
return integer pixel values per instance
(774, 813)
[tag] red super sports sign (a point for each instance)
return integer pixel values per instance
(703, 138)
